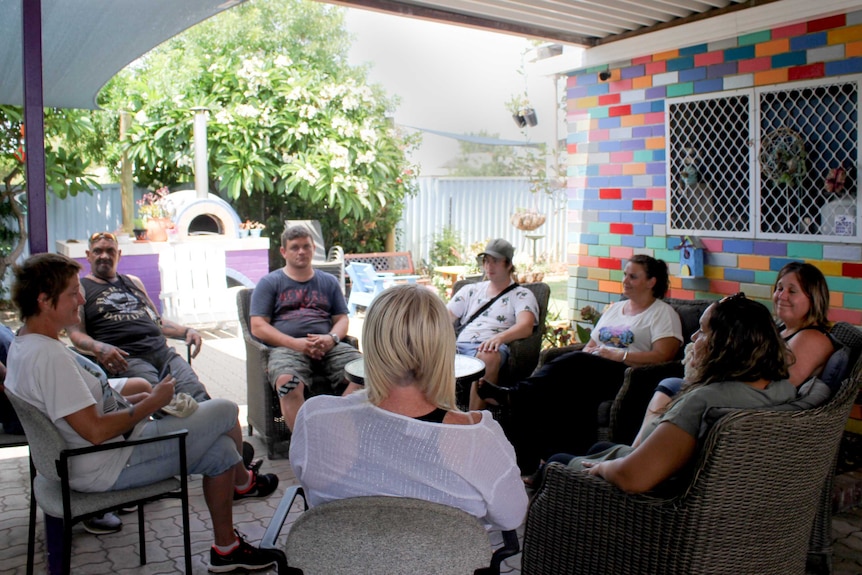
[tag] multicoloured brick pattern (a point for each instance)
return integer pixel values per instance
(617, 178)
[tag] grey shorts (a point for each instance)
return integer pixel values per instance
(329, 370)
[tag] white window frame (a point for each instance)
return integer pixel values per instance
(755, 217)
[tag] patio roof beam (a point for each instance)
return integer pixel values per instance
(682, 21)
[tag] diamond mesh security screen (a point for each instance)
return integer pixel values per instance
(773, 163)
(804, 132)
(709, 164)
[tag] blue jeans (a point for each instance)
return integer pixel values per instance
(472, 349)
(210, 451)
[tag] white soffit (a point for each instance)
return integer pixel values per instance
(781, 13)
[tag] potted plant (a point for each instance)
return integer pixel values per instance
(251, 228)
(155, 215)
(140, 229)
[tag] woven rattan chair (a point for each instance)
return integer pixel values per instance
(748, 506)
(264, 411)
(820, 544)
(49, 485)
(385, 536)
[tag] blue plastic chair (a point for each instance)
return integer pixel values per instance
(365, 284)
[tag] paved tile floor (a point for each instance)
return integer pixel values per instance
(221, 368)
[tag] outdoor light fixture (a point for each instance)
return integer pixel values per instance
(604, 76)
(525, 117)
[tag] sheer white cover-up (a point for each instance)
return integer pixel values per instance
(346, 447)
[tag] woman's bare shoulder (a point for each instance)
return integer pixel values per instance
(811, 341)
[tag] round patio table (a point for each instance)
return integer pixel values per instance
(467, 370)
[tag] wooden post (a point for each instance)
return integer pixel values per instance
(127, 190)
(390, 241)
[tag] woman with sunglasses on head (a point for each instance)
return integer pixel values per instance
(739, 360)
(800, 300)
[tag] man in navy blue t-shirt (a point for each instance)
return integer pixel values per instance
(302, 314)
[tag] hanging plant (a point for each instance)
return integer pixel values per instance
(782, 156)
(527, 220)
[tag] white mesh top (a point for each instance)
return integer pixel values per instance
(346, 447)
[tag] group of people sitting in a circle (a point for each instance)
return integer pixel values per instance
(403, 435)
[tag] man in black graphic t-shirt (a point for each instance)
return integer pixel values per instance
(120, 326)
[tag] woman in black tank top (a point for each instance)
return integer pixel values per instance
(801, 301)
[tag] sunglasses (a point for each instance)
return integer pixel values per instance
(102, 235)
(737, 295)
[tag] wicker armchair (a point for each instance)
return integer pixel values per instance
(820, 544)
(748, 506)
(619, 420)
(264, 411)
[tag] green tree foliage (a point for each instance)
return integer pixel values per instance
(71, 146)
(293, 132)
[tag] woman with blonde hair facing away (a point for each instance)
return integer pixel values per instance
(402, 436)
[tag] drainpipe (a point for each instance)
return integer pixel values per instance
(200, 143)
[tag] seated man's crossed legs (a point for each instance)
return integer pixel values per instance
(494, 361)
(292, 375)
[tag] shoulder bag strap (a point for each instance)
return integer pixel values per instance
(488, 304)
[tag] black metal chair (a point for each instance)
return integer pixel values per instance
(49, 485)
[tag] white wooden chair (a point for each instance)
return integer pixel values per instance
(194, 285)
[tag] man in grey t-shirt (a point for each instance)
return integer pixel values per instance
(303, 315)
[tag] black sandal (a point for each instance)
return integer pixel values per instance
(486, 390)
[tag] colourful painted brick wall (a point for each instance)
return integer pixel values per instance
(617, 179)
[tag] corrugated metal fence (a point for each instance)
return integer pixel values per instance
(479, 209)
(78, 217)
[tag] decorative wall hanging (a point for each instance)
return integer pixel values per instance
(782, 156)
(835, 180)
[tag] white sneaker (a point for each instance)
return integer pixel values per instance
(107, 523)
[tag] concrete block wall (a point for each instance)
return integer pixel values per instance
(617, 176)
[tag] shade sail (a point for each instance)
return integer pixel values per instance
(86, 42)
